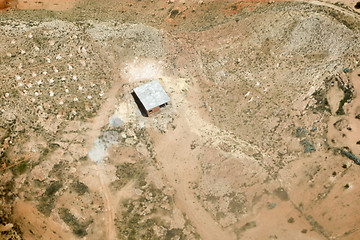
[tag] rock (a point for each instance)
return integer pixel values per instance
(341, 124)
(351, 156)
(6, 228)
(271, 205)
(9, 117)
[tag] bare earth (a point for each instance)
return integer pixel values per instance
(260, 141)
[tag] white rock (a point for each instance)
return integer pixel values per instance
(75, 77)
(51, 80)
(70, 55)
(30, 35)
(7, 95)
(13, 41)
(20, 84)
(17, 77)
(51, 93)
(44, 73)
(67, 90)
(55, 70)
(80, 88)
(83, 50)
(29, 85)
(8, 54)
(33, 74)
(101, 94)
(36, 94)
(89, 97)
(63, 78)
(39, 82)
(22, 52)
(70, 67)
(48, 60)
(61, 102)
(58, 57)
(51, 42)
(37, 48)
(83, 63)
(76, 99)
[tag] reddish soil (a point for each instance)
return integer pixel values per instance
(54, 5)
(6, 4)
(247, 149)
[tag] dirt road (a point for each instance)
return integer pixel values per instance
(93, 132)
(330, 5)
(179, 167)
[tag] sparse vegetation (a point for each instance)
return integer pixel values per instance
(79, 228)
(151, 211)
(20, 168)
(348, 95)
(47, 199)
(322, 103)
(130, 171)
(80, 187)
(241, 76)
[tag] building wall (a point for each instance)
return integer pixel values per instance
(154, 110)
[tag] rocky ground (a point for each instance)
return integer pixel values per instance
(261, 140)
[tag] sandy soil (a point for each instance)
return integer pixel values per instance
(260, 140)
(41, 226)
(53, 5)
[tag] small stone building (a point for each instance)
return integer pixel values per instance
(150, 97)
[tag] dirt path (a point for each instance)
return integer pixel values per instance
(183, 166)
(108, 203)
(93, 132)
(106, 110)
(330, 5)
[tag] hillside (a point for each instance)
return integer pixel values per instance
(260, 141)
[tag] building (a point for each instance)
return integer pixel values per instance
(150, 97)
